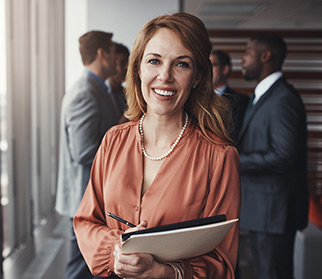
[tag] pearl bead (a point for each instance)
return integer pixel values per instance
(171, 148)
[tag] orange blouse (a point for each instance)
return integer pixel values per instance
(199, 179)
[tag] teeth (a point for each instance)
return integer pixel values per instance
(164, 92)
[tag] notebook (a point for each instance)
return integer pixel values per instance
(181, 240)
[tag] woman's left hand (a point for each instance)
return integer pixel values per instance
(139, 265)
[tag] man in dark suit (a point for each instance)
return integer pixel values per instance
(221, 67)
(115, 83)
(272, 148)
(88, 110)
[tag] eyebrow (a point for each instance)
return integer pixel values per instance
(179, 57)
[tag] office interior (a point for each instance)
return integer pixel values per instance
(39, 61)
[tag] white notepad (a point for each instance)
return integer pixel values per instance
(178, 243)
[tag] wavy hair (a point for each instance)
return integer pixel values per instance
(210, 111)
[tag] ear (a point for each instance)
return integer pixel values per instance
(226, 70)
(197, 80)
(266, 56)
(100, 53)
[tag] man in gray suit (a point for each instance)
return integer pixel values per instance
(86, 114)
(272, 149)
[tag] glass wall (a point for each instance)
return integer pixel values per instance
(31, 89)
(3, 130)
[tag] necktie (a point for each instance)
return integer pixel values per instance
(249, 108)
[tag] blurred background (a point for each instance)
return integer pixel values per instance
(39, 61)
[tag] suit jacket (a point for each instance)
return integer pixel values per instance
(238, 104)
(87, 112)
(118, 97)
(272, 149)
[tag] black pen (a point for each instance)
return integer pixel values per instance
(120, 219)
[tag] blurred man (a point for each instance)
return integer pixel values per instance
(272, 148)
(86, 114)
(115, 83)
(221, 67)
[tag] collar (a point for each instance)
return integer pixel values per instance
(108, 86)
(265, 84)
(98, 79)
(220, 90)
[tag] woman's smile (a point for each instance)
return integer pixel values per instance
(164, 92)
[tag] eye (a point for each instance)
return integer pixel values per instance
(183, 64)
(154, 61)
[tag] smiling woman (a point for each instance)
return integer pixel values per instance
(174, 159)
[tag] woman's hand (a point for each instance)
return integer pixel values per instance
(142, 226)
(139, 265)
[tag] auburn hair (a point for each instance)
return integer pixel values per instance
(210, 111)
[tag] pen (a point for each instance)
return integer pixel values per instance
(120, 219)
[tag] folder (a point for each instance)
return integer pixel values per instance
(177, 241)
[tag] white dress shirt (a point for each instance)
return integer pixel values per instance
(220, 90)
(265, 84)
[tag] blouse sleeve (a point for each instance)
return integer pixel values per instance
(223, 198)
(95, 239)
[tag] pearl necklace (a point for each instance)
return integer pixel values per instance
(171, 148)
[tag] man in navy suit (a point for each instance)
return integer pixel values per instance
(221, 68)
(272, 148)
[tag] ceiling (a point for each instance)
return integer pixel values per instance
(257, 14)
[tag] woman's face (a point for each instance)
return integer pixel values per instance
(167, 73)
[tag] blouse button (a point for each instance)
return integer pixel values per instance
(136, 208)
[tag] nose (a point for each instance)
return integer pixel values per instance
(165, 74)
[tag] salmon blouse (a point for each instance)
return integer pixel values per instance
(198, 179)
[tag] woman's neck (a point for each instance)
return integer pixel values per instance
(162, 130)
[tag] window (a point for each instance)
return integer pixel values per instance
(3, 130)
(29, 110)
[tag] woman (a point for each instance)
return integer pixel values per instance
(172, 162)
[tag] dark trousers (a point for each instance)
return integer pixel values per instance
(76, 267)
(273, 255)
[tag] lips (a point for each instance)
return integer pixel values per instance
(165, 93)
